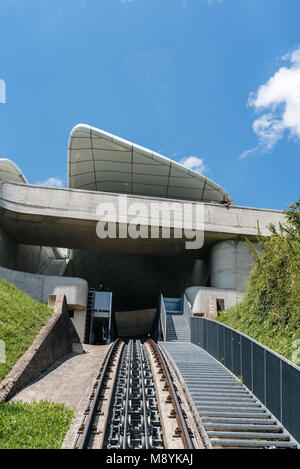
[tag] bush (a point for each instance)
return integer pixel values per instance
(270, 311)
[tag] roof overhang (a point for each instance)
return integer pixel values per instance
(100, 161)
(9, 171)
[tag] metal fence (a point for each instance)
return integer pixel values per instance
(274, 380)
(187, 311)
(163, 317)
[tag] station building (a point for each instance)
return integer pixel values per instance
(49, 242)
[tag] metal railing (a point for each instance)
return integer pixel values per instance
(163, 318)
(187, 311)
(274, 380)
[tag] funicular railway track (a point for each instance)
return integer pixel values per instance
(123, 410)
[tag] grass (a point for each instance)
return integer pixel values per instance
(35, 425)
(21, 318)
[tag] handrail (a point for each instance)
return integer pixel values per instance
(187, 312)
(163, 317)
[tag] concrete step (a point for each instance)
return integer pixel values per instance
(243, 426)
(253, 444)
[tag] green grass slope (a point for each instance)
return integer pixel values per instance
(35, 425)
(21, 318)
(270, 312)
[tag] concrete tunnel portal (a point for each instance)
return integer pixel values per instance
(101, 169)
(136, 282)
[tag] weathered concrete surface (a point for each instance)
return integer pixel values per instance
(211, 311)
(68, 380)
(55, 267)
(23, 257)
(230, 264)
(54, 340)
(96, 442)
(198, 297)
(48, 216)
(8, 250)
(135, 323)
(39, 287)
(33, 259)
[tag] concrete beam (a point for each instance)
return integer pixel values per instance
(68, 218)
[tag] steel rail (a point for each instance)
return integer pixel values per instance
(182, 425)
(125, 436)
(88, 424)
(145, 414)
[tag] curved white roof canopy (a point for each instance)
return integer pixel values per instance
(100, 161)
(9, 171)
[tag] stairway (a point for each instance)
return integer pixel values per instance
(177, 329)
(231, 415)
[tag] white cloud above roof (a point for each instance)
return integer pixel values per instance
(195, 163)
(279, 102)
(51, 182)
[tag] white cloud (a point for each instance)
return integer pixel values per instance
(51, 182)
(193, 162)
(279, 101)
(2, 91)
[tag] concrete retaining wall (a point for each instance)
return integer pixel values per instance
(54, 340)
(198, 297)
(39, 287)
(32, 259)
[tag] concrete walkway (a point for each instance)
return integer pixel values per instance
(68, 380)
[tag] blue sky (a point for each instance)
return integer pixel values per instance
(215, 80)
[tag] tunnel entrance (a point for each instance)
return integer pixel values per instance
(135, 280)
(103, 324)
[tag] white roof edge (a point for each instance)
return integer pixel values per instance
(156, 156)
(14, 167)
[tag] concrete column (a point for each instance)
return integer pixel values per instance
(230, 265)
(8, 251)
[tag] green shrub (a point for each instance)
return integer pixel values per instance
(270, 311)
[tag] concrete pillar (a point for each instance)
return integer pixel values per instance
(8, 251)
(230, 265)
